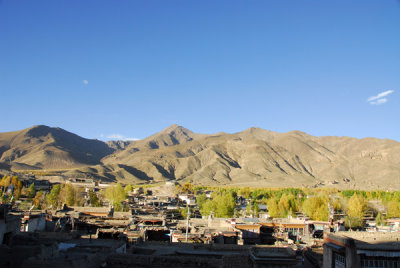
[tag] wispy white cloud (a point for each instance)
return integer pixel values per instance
(85, 82)
(379, 101)
(115, 137)
(380, 98)
(121, 137)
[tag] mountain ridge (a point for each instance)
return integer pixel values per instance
(45, 147)
(251, 157)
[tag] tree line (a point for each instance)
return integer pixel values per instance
(12, 189)
(316, 204)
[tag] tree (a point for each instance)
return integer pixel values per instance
(207, 207)
(14, 181)
(17, 187)
(183, 212)
(39, 200)
(93, 199)
(31, 191)
(245, 192)
(287, 205)
(337, 205)
(224, 205)
(393, 209)
(284, 206)
(69, 194)
(353, 222)
(256, 210)
(116, 195)
(53, 197)
(200, 200)
(380, 219)
(128, 188)
(273, 209)
(248, 209)
(79, 200)
(355, 211)
(357, 206)
(5, 182)
(316, 207)
(187, 188)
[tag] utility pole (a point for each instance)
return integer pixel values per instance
(187, 223)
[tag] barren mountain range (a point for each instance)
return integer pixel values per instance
(253, 157)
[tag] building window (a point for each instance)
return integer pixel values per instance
(340, 261)
(374, 263)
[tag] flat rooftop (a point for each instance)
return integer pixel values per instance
(369, 241)
(273, 252)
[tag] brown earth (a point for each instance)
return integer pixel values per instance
(254, 157)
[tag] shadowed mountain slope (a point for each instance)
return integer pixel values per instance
(253, 157)
(49, 148)
(261, 157)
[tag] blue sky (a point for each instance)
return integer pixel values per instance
(131, 68)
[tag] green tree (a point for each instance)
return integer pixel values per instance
(69, 194)
(337, 205)
(284, 206)
(207, 207)
(357, 206)
(183, 212)
(93, 199)
(353, 222)
(248, 209)
(273, 209)
(379, 219)
(116, 195)
(79, 194)
(256, 210)
(200, 200)
(52, 198)
(245, 192)
(31, 191)
(5, 182)
(128, 188)
(287, 205)
(316, 207)
(224, 205)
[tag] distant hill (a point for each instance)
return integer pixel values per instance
(42, 147)
(253, 157)
(258, 157)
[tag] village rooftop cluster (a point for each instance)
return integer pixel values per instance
(164, 226)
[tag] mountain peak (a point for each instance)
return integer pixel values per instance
(171, 135)
(38, 131)
(298, 133)
(253, 157)
(174, 127)
(42, 146)
(256, 131)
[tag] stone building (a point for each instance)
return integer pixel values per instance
(361, 249)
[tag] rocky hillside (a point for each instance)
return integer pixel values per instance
(258, 157)
(42, 147)
(254, 157)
